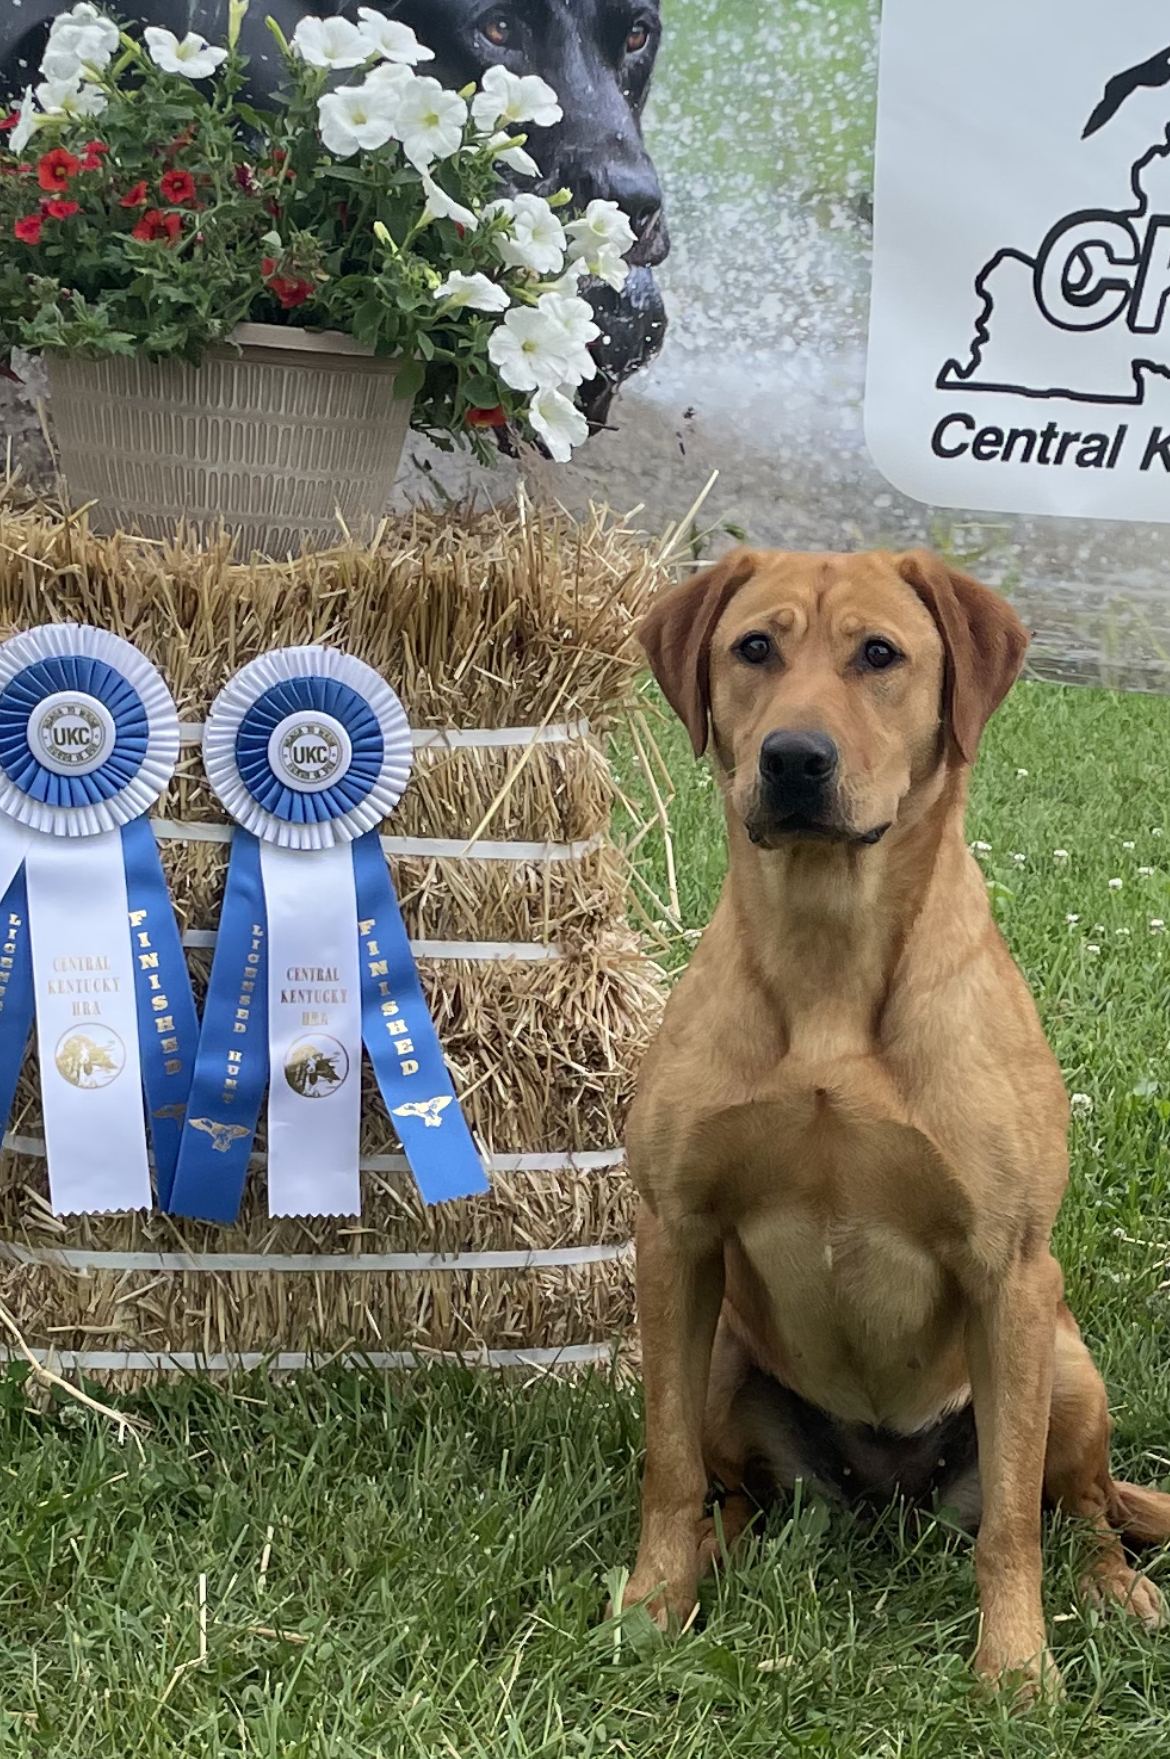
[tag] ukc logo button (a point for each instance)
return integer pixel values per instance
(71, 734)
(309, 751)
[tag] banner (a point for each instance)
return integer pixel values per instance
(309, 750)
(89, 737)
(1020, 338)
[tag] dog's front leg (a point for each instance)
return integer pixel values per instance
(680, 1291)
(1010, 1345)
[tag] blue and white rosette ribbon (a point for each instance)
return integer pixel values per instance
(89, 738)
(309, 750)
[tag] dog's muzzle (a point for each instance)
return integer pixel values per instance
(797, 793)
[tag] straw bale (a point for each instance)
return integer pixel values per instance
(505, 618)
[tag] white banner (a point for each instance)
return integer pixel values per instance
(1019, 354)
(87, 1024)
(314, 1030)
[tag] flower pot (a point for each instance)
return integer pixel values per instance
(280, 435)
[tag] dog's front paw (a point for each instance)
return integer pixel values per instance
(671, 1605)
(1022, 1680)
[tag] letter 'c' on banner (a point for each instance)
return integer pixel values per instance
(309, 750)
(89, 738)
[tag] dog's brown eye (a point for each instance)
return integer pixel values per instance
(637, 39)
(879, 655)
(755, 648)
(497, 30)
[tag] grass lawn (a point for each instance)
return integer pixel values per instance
(435, 1548)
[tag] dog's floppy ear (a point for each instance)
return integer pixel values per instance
(677, 638)
(984, 640)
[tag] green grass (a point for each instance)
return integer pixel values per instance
(440, 1543)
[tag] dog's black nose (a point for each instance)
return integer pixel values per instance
(797, 764)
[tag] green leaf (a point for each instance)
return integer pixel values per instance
(408, 381)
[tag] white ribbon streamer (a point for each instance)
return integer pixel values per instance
(287, 1361)
(314, 1031)
(87, 1025)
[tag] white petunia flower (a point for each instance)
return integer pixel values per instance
(390, 39)
(477, 291)
(575, 318)
(510, 97)
(193, 57)
(86, 17)
(74, 52)
(441, 206)
(558, 421)
(26, 122)
(430, 122)
(356, 118)
(537, 238)
(330, 42)
(528, 350)
(514, 157)
(600, 238)
(71, 97)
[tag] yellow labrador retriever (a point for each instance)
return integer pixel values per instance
(849, 1139)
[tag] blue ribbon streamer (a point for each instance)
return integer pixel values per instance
(16, 990)
(231, 1068)
(403, 1044)
(168, 1026)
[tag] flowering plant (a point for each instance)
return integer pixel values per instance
(145, 208)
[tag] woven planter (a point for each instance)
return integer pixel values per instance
(280, 436)
(509, 637)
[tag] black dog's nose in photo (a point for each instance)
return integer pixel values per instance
(796, 766)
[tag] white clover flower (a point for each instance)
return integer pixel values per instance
(1020, 860)
(1145, 871)
(477, 291)
(194, 57)
(1059, 855)
(1157, 831)
(1020, 775)
(356, 118)
(537, 238)
(1127, 845)
(1157, 926)
(387, 37)
(330, 42)
(441, 206)
(510, 97)
(575, 317)
(1071, 920)
(1115, 885)
(71, 97)
(558, 421)
(1080, 1105)
(430, 122)
(1092, 949)
(1121, 931)
(528, 350)
(978, 848)
(26, 122)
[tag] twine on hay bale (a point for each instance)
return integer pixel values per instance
(508, 618)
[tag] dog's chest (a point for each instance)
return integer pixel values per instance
(837, 1258)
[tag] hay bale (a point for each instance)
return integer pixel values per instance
(492, 620)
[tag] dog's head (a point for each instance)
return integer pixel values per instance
(598, 56)
(832, 687)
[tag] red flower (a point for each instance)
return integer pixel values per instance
(289, 290)
(487, 418)
(267, 267)
(55, 168)
(155, 225)
(59, 210)
(243, 176)
(92, 156)
(136, 197)
(9, 121)
(181, 141)
(28, 229)
(176, 187)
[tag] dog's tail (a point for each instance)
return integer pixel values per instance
(1140, 1514)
